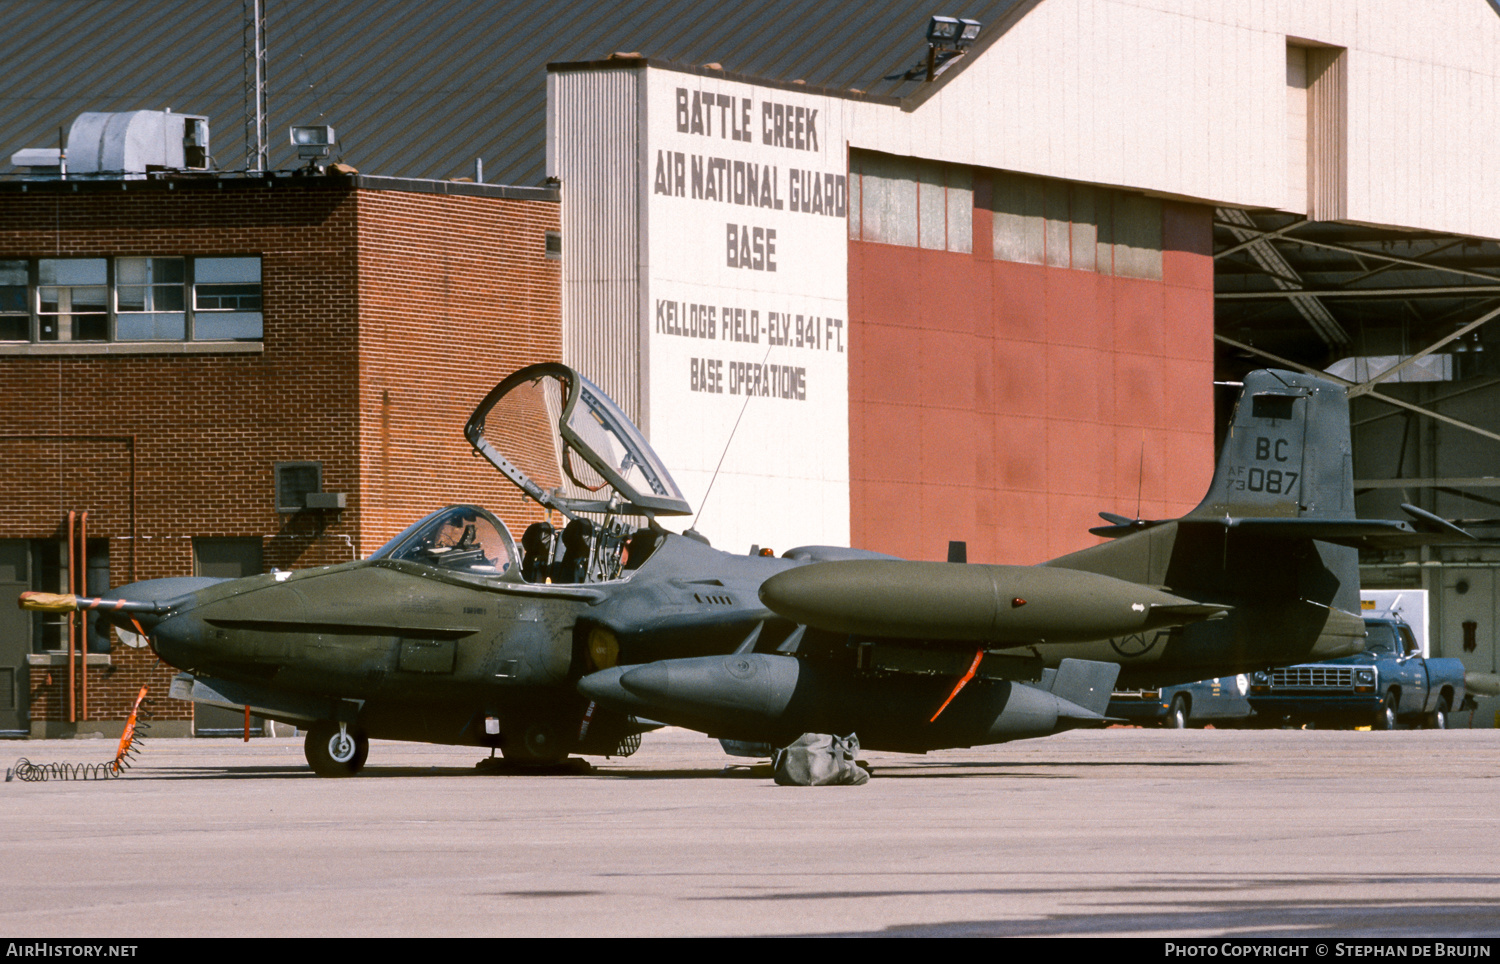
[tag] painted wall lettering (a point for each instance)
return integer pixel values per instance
(701, 112)
(747, 247)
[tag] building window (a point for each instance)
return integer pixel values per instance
(15, 310)
(73, 299)
(226, 299)
(149, 303)
(294, 481)
(131, 299)
(911, 202)
(927, 204)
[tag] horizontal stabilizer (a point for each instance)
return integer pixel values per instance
(1358, 533)
(1182, 613)
(1086, 684)
(1120, 525)
(1427, 522)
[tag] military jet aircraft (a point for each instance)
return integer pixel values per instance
(605, 625)
(1264, 569)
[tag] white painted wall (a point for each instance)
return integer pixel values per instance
(771, 282)
(712, 321)
(1188, 98)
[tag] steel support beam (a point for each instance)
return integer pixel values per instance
(1399, 403)
(1282, 274)
(1393, 293)
(1483, 482)
(1368, 387)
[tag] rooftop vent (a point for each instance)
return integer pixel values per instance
(40, 162)
(132, 143)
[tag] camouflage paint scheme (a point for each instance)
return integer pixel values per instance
(451, 634)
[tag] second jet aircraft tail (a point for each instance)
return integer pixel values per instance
(1275, 538)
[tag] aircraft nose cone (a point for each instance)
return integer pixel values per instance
(179, 640)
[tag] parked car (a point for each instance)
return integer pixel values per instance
(1388, 684)
(1220, 700)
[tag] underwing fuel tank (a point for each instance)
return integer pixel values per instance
(1015, 605)
(774, 698)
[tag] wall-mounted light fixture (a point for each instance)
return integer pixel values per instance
(947, 38)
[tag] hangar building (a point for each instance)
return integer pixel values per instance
(982, 296)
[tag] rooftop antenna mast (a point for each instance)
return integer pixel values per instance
(255, 84)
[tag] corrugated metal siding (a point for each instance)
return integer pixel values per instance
(1296, 129)
(1327, 133)
(417, 90)
(598, 157)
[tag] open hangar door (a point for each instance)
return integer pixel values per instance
(1409, 321)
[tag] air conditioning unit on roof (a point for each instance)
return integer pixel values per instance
(132, 143)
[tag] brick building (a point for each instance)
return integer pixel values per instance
(184, 359)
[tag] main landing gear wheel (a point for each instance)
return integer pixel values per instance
(335, 752)
(1177, 719)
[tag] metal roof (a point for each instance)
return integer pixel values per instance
(420, 90)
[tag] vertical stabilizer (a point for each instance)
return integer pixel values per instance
(1287, 454)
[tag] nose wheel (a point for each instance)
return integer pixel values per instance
(538, 747)
(334, 750)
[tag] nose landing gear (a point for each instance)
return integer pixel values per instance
(335, 750)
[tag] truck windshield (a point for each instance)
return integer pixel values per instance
(1381, 638)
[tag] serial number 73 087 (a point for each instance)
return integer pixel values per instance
(1257, 479)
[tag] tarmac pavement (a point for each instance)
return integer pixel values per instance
(1156, 833)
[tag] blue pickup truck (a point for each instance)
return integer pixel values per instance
(1388, 684)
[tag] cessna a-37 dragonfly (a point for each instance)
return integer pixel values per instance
(581, 639)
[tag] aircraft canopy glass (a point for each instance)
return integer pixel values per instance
(568, 446)
(460, 538)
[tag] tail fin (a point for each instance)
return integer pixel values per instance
(1286, 471)
(1285, 478)
(1278, 520)
(1275, 538)
(1287, 454)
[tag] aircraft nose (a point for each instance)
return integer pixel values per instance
(179, 640)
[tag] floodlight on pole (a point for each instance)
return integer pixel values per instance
(313, 141)
(948, 37)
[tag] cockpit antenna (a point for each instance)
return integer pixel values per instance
(704, 501)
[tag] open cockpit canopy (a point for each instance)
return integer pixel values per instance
(569, 447)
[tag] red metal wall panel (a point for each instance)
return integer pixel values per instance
(1006, 404)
